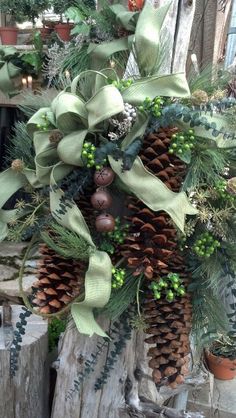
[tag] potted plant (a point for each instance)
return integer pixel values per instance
(31, 9)
(221, 357)
(62, 28)
(9, 32)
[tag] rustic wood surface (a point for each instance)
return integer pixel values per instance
(176, 34)
(26, 394)
(122, 390)
(129, 392)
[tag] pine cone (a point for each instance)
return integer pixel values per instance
(151, 248)
(169, 324)
(60, 280)
(151, 242)
(55, 136)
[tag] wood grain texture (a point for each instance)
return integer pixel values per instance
(26, 395)
(112, 401)
(182, 34)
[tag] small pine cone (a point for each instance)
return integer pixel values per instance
(55, 136)
(219, 94)
(231, 186)
(59, 282)
(199, 97)
(17, 165)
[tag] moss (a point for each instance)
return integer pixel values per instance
(55, 328)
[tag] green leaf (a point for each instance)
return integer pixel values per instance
(75, 14)
(81, 29)
(33, 59)
(147, 37)
(186, 157)
(38, 42)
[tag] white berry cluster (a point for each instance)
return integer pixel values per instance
(129, 112)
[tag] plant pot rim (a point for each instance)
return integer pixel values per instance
(62, 24)
(9, 28)
(209, 354)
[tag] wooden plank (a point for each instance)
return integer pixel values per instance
(182, 35)
(168, 34)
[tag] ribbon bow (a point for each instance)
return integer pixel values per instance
(8, 71)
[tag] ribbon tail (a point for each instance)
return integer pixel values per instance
(85, 322)
(97, 294)
(153, 192)
(98, 275)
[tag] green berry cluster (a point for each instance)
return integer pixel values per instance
(119, 233)
(45, 125)
(118, 278)
(182, 142)
(205, 245)
(89, 156)
(221, 190)
(122, 84)
(152, 106)
(170, 286)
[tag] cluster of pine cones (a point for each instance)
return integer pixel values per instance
(150, 249)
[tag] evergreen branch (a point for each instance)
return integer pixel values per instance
(209, 79)
(206, 167)
(209, 316)
(122, 298)
(66, 243)
(21, 146)
(29, 105)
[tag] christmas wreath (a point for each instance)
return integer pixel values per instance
(129, 189)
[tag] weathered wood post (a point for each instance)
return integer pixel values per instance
(26, 394)
(129, 382)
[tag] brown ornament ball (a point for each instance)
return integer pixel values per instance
(105, 223)
(104, 177)
(101, 199)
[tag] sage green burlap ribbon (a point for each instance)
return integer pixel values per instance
(144, 43)
(8, 71)
(98, 275)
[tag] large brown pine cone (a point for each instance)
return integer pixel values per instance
(59, 281)
(151, 248)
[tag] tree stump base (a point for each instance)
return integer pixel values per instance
(26, 394)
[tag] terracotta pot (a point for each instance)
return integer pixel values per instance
(45, 32)
(222, 367)
(9, 35)
(134, 5)
(63, 31)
